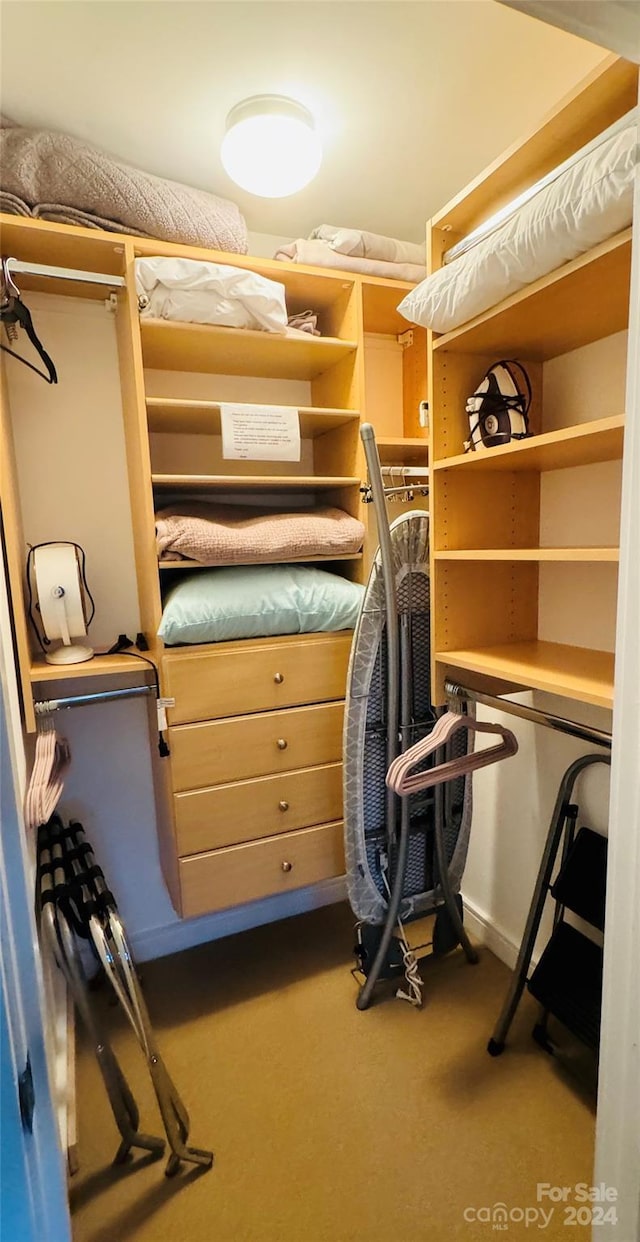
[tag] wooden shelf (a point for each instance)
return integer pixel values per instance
(62, 245)
(249, 482)
(575, 672)
(582, 445)
(203, 417)
(380, 300)
(579, 302)
(530, 554)
(403, 450)
(100, 666)
(282, 560)
(238, 351)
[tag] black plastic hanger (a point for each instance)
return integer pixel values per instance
(13, 312)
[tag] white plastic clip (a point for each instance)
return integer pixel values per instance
(405, 339)
(111, 303)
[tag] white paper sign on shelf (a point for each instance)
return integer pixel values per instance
(260, 432)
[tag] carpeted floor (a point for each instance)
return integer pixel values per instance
(331, 1125)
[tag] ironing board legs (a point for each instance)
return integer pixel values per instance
(445, 880)
(554, 836)
(395, 897)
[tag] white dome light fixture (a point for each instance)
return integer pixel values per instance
(271, 147)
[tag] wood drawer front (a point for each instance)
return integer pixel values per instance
(246, 678)
(219, 751)
(231, 877)
(207, 819)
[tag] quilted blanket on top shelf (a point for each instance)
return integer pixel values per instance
(57, 177)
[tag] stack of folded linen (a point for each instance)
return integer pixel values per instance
(353, 250)
(52, 176)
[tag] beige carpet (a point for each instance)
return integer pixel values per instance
(331, 1125)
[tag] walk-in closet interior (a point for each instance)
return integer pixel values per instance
(319, 853)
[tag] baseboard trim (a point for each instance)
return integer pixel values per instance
(486, 932)
(187, 933)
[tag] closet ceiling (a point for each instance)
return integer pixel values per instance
(412, 98)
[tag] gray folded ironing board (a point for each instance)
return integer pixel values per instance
(404, 856)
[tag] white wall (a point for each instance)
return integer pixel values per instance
(513, 801)
(72, 472)
(264, 245)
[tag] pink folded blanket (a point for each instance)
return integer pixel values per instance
(219, 534)
(316, 253)
(53, 176)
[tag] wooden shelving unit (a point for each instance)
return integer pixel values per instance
(257, 721)
(491, 574)
(238, 351)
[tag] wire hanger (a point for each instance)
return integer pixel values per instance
(402, 778)
(13, 312)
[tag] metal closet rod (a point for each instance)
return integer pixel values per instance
(64, 273)
(44, 707)
(586, 733)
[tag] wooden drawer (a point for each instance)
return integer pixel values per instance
(247, 810)
(257, 869)
(248, 677)
(219, 751)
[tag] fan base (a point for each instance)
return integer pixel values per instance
(75, 653)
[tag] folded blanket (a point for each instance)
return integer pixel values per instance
(361, 245)
(219, 534)
(320, 254)
(56, 177)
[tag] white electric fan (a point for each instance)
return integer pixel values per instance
(61, 587)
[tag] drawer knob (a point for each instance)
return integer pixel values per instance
(278, 678)
(282, 743)
(286, 866)
(284, 806)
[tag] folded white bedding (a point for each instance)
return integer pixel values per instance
(363, 245)
(190, 291)
(315, 253)
(588, 203)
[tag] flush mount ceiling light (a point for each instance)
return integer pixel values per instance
(271, 148)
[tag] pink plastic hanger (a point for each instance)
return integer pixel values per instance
(51, 760)
(403, 780)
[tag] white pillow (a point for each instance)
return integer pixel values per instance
(189, 291)
(589, 202)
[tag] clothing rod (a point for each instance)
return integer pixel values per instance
(64, 273)
(585, 732)
(45, 706)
